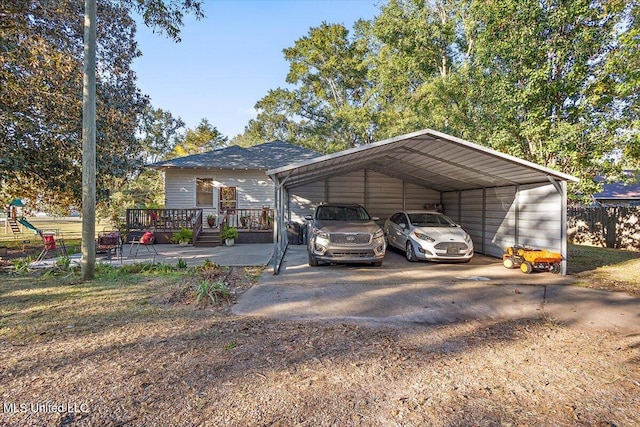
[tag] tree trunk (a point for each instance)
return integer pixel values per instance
(88, 262)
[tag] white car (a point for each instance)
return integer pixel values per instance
(428, 235)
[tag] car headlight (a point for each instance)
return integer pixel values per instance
(378, 234)
(424, 237)
(319, 233)
(467, 238)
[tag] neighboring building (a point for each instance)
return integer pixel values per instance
(619, 193)
(230, 182)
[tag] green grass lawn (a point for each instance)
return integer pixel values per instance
(596, 267)
(69, 228)
(604, 268)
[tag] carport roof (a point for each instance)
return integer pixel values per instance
(427, 158)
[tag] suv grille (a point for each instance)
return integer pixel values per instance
(350, 238)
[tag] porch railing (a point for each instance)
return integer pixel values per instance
(197, 226)
(249, 219)
(163, 219)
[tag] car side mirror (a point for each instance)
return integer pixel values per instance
(375, 218)
(308, 217)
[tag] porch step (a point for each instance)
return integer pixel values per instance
(209, 238)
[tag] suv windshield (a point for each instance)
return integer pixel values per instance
(342, 213)
(430, 220)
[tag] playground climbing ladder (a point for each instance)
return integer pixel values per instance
(15, 228)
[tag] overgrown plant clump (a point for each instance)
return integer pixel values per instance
(216, 291)
(22, 265)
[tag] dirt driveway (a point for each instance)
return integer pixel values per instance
(429, 293)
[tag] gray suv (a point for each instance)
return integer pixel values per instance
(345, 234)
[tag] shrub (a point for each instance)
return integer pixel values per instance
(229, 233)
(182, 235)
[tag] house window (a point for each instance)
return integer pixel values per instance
(228, 199)
(204, 192)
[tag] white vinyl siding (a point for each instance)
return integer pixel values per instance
(254, 187)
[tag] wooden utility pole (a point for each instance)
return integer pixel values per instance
(88, 262)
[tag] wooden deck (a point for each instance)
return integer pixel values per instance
(255, 225)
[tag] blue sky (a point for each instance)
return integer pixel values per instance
(229, 60)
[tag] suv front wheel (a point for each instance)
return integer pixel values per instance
(313, 262)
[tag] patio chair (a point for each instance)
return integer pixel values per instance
(50, 243)
(147, 239)
(110, 241)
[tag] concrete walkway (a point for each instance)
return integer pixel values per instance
(243, 255)
(401, 292)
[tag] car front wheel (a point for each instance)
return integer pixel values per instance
(410, 252)
(313, 262)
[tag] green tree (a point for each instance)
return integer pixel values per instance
(331, 105)
(535, 64)
(273, 122)
(205, 137)
(160, 133)
(422, 65)
(145, 191)
(40, 98)
(41, 92)
(617, 90)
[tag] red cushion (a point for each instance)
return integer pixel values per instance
(146, 237)
(49, 241)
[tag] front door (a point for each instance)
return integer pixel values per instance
(228, 204)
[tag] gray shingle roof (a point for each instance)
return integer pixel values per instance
(264, 156)
(620, 190)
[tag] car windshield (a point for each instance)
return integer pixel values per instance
(342, 213)
(430, 220)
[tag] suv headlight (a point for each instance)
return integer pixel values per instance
(378, 234)
(319, 233)
(424, 237)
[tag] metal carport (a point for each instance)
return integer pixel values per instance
(499, 199)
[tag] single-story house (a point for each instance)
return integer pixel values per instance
(230, 183)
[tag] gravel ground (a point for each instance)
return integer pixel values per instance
(185, 365)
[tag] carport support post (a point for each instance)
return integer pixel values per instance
(276, 222)
(563, 228)
(279, 230)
